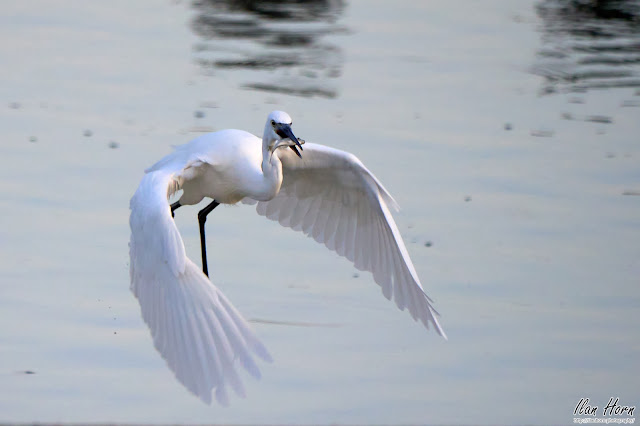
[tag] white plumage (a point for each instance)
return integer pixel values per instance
(326, 193)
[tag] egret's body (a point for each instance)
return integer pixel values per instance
(326, 193)
(226, 166)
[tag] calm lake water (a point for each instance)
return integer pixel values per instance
(508, 131)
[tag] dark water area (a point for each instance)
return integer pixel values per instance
(283, 43)
(588, 45)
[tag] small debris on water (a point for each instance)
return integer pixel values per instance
(542, 133)
(14, 105)
(114, 145)
(631, 192)
(428, 244)
(508, 126)
(356, 275)
(209, 104)
(309, 74)
(33, 139)
(29, 372)
(293, 323)
(600, 119)
(198, 114)
(547, 90)
(198, 129)
(87, 133)
(566, 116)
(630, 103)
(467, 198)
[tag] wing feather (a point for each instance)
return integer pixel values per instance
(334, 199)
(388, 263)
(341, 231)
(287, 206)
(382, 264)
(351, 238)
(332, 226)
(348, 238)
(194, 327)
(397, 277)
(321, 221)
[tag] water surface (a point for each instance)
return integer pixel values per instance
(518, 210)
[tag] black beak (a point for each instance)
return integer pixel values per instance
(294, 149)
(284, 131)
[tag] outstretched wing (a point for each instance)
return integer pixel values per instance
(331, 196)
(194, 327)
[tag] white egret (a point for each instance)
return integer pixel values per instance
(326, 193)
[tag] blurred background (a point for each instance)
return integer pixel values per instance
(506, 130)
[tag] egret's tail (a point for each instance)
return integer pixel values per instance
(194, 327)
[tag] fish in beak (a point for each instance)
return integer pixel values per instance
(285, 132)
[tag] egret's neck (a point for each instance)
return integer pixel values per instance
(267, 143)
(271, 170)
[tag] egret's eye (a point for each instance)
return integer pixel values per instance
(273, 123)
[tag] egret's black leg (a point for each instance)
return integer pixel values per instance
(174, 207)
(202, 218)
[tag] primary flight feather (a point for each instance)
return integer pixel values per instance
(326, 193)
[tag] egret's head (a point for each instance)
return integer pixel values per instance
(278, 132)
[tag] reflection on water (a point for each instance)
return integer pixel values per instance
(589, 44)
(282, 42)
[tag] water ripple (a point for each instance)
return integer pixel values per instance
(274, 46)
(588, 45)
